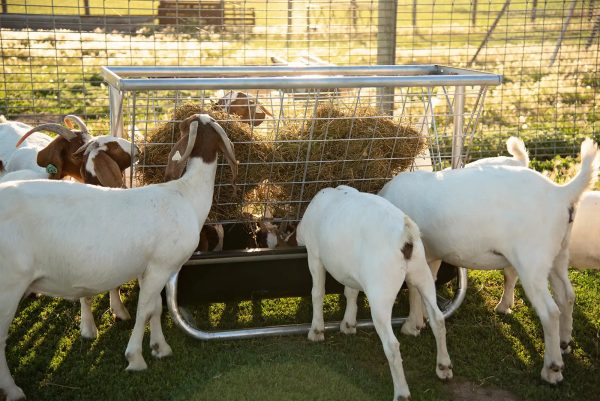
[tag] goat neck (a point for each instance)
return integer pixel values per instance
(203, 138)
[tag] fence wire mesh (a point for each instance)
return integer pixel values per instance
(546, 50)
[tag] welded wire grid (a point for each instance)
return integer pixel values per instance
(547, 51)
(299, 141)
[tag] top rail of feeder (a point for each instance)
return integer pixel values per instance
(136, 78)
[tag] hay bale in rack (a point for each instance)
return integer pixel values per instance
(226, 204)
(356, 146)
(287, 167)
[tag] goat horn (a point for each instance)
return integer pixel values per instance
(56, 128)
(70, 119)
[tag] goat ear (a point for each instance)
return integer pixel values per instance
(264, 109)
(174, 166)
(107, 170)
(226, 146)
(52, 155)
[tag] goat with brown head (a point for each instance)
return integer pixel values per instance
(104, 158)
(244, 106)
(201, 137)
(59, 157)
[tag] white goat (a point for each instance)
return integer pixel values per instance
(494, 217)
(12, 159)
(584, 252)
(390, 250)
(108, 236)
(516, 148)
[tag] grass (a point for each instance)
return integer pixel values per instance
(50, 361)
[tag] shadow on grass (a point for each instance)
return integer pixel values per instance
(50, 361)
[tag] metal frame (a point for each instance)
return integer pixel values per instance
(134, 79)
(183, 324)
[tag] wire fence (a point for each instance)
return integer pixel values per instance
(547, 51)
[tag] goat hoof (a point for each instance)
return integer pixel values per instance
(565, 347)
(552, 374)
(316, 335)
(89, 333)
(121, 315)
(14, 394)
(503, 309)
(403, 398)
(136, 362)
(444, 372)
(347, 328)
(161, 351)
(410, 329)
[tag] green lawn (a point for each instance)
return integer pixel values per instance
(490, 352)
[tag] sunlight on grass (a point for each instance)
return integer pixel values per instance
(215, 313)
(63, 348)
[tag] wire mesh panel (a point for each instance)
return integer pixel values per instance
(297, 131)
(548, 52)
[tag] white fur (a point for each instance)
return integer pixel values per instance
(372, 262)
(494, 217)
(114, 235)
(25, 156)
(516, 148)
(584, 250)
(24, 175)
(22, 165)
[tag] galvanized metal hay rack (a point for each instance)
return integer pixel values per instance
(373, 104)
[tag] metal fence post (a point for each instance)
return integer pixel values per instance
(115, 99)
(458, 137)
(386, 48)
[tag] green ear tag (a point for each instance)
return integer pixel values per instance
(51, 169)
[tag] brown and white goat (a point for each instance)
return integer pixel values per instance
(244, 106)
(97, 160)
(158, 230)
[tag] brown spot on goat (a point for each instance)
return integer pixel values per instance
(108, 161)
(207, 141)
(244, 106)
(59, 156)
(209, 239)
(60, 153)
(407, 250)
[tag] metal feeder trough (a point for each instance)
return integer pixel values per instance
(443, 103)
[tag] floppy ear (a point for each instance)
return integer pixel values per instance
(107, 170)
(227, 148)
(52, 158)
(175, 165)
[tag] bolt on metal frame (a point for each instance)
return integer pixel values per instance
(133, 81)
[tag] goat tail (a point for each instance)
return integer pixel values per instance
(410, 234)
(516, 147)
(588, 173)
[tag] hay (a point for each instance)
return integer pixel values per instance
(154, 154)
(285, 169)
(355, 147)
